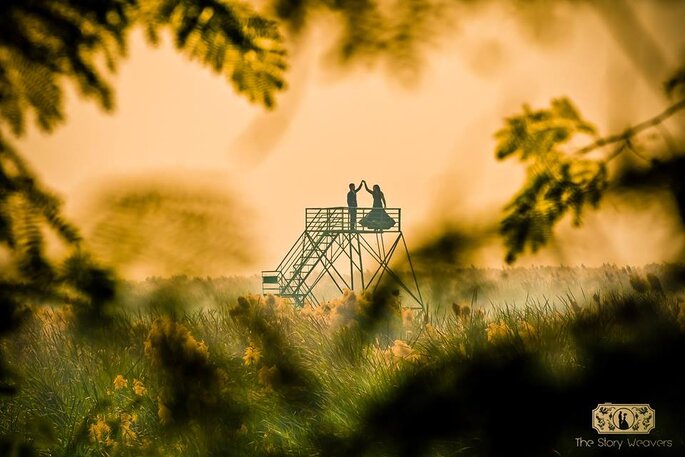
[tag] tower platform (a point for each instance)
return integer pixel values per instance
(352, 247)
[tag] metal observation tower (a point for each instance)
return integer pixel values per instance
(336, 244)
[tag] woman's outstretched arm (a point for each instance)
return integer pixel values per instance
(367, 188)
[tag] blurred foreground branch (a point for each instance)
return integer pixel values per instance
(560, 180)
(634, 130)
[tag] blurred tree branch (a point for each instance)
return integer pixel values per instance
(631, 132)
(559, 180)
(47, 44)
(228, 37)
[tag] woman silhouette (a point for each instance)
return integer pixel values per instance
(377, 219)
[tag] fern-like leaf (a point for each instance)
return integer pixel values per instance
(557, 183)
(229, 37)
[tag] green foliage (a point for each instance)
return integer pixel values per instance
(557, 182)
(46, 44)
(560, 179)
(260, 377)
(229, 37)
(539, 133)
(25, 208)
(26, 212)
(42, 42)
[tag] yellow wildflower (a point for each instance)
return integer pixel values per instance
(168, 336)
(128, 435)
(252, 356)
(120, 382)
(195, 348)
(496, 330)
(202, 349)
(138, 388)
(99, 431)
(402, 350)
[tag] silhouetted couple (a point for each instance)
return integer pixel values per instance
(622, 422)
(377, 218)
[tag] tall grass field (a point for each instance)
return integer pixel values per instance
(500, 363)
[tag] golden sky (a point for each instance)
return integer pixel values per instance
(428, 144)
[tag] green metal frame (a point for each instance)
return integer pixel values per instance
(330, 240)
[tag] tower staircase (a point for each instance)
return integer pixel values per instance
(334, 242)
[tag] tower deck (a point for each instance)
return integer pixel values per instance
(340, 219)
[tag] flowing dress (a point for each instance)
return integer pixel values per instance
(377, 219)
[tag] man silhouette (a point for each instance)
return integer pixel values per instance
(352, 203)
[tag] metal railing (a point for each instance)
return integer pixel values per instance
(321, 227)
(346, 219)
(271, 282)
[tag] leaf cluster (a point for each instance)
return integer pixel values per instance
(27, 213)
(45, 44)
(229, 37)
(557, 182)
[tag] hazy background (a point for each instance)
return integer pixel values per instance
(427, 140)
